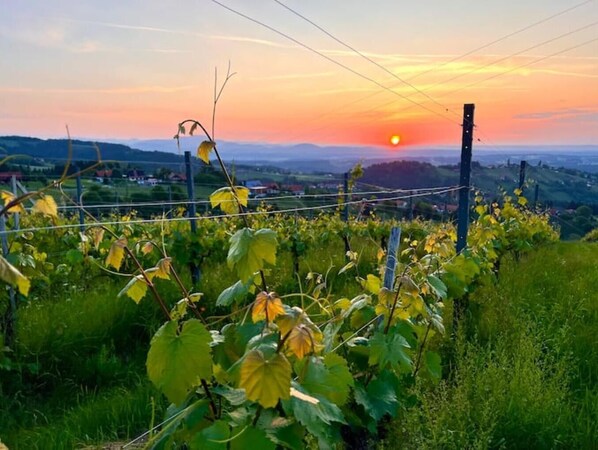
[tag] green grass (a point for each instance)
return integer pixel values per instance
(524, 371)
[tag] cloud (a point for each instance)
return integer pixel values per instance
(115, 91)
(561, 114)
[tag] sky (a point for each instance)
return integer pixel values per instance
(134, 69)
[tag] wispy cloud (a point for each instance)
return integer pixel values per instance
(114, 91)
(565, 113)
(297, 76)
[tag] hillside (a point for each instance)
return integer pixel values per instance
(558, 187)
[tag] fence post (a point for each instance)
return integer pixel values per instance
(522, 167)
(394, 242)
(346, 197)
(465, 176)
(15, 191)
(411, 208)
(536, 195)
(191, 211)
(11, 315)
(80, 200)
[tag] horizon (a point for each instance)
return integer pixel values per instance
(122, 73)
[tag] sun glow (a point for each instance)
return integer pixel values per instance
(395, 139)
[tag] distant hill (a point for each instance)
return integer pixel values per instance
(561, 187)
(57, 150)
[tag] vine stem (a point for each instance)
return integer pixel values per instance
(421, 351)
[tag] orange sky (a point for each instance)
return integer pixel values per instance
(134, 71)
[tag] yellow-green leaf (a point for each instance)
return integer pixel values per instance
(522, 201)
(11, 275)
(204, 150)
(163, 268)
(136, 288)
(97, 236)
(250, 251)
(301, 341)
(266, 306)
(8, 197)
(372, 284)
(46, 205)
(229, 199)
(266, 381)
(117, 253)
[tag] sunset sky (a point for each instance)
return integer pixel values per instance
(134, 69)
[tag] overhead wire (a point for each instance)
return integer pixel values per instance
(332, 60)
(457, 58)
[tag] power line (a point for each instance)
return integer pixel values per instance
(502, 38)
(332, 60)
(457, 58)
(364, 56)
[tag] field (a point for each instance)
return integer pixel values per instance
(75, 375)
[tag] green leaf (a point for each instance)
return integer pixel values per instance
(251, 439)
(437, 286)
(232, 294)
(322, 419)
(11, 275)
(328, 377)
(74, 256)
(266, 380)
(250, 251)
(433, 364)
(389, 349)
(214, 437)
(380, 396)
(177, 360)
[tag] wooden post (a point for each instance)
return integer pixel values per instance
(536, 195)
(80, 201)
(522, 167)
(15, 191)
(391, 257)
(191, 211)
(394, 242)
(11, 314)
(465, 177)
(346, 197)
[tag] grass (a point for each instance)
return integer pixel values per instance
(523, 372)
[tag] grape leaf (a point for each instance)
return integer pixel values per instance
(380, 396)
(46, 205)
(163, 268)
(117, 253)
(214, 437)
(251, 438)
(232, 294)
(229, 199)
(266, 380)
(204, 150)
(8, 197)
(178, 359)
(266, 306)
(438, 287)
(433, 364)
(321, 419)
(12, 275)
(136, 289)
(251, 250)
(328, 377)
(389, 349)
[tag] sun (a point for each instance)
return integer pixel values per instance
(395, 139)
